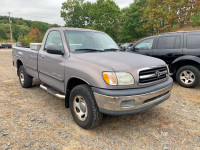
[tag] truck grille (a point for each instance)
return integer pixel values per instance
(153, 75)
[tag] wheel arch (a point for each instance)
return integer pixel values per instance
(72, 82)
(185, 60)
(19, 63)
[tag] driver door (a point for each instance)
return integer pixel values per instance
(144, 47)
(51, 66)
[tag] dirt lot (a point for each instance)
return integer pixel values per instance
(33, 119)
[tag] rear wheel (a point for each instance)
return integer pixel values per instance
(24, 79)
(188, 76)
(84, 108)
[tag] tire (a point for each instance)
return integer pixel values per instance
(24, 79)
(84, 108)
(188, 76)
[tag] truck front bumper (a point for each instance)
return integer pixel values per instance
(129, 101)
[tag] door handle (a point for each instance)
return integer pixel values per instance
(42, 56)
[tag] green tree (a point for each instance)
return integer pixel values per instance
(5, 27)
(43, 27)
(73, 14)
(105, 15)
(15, 32)
(85, 13)
(195, 20)
(3, 34)
(4, 31)
(131, 22)
(160, 16)
(34, 36)
(24, 30)
(21, 27)
(19, 31)
(102, 15)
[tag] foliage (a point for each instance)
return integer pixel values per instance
(168, 15)
(35, 36)
(102, 15)
(43, 27)
(131, 22)
(142, 17)
(72, 13)
(5, 27)
(21, 28)
(160, 16)
(3, 34)
(24, 30)
(195, 20)
(15, 32)
(105, 17)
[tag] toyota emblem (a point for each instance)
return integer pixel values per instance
(157, 73)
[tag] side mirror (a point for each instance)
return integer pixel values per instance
(135, 49)
(54, 49)
(131, 48)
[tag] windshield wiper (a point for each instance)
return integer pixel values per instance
(87, 50)
(111, 49)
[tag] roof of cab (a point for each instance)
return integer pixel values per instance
(180, 32)
(74, 29)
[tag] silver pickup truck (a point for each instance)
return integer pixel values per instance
(87, 70)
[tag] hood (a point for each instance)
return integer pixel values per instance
(120, 61)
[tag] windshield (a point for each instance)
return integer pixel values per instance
(84, 41)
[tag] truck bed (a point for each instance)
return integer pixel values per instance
(28, 58)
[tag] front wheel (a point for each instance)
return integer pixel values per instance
(84, 108)
(188, 76)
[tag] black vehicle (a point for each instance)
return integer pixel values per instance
(180, 50)
(126, 46)
(1, 46)
(7, 45)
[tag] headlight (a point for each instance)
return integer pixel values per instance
(110, 78)
(124, 78)
(118, 78)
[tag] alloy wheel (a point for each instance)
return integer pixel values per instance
(21, 77)
(80, 107)
(187, 77)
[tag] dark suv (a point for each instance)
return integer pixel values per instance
(180, 50)
(126, 46)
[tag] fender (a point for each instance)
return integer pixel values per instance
(187, 57)
(192, 59)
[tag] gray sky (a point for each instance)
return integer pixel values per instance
(41, 10)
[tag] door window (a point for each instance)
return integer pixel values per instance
(193, 41)
(145, 45)
(54, 38)
(169, 42)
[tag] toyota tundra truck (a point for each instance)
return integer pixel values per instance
(87, 69)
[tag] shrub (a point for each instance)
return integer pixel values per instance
(195, 20)
(34, 36)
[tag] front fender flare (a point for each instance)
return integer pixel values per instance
(193, 59)
(187, 57)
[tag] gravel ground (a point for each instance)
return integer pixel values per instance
(33, 119)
